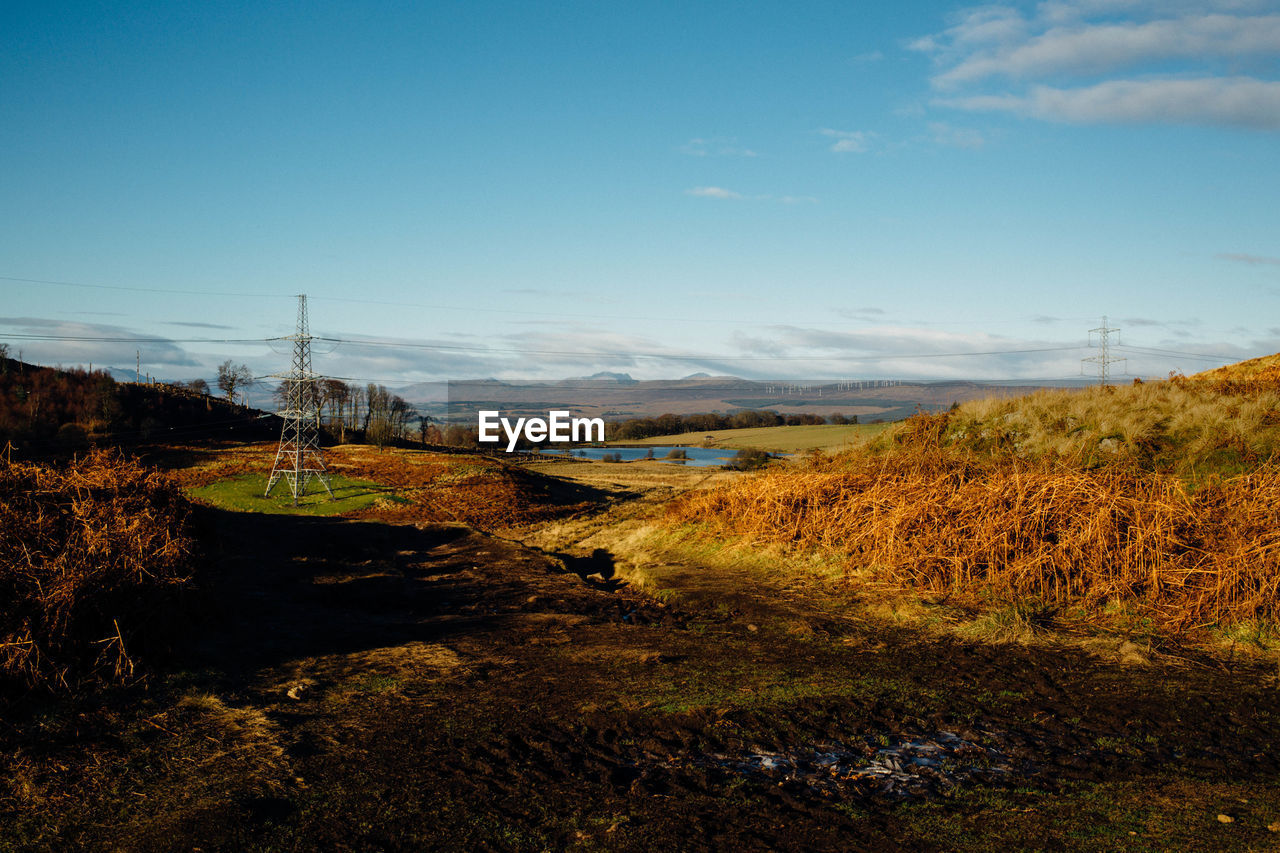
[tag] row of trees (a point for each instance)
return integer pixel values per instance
(343, 408)
(369, 410)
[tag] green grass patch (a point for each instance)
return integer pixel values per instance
(371, 683)
(245, 494)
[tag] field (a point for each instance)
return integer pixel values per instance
(781, 439)
(552, 657)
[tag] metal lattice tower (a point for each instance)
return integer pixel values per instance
(299, 457)
(1103, 359)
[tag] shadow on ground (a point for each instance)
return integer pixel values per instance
(288, 587)
(599, 562)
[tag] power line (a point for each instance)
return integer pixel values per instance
(387, 303)
(365, 342)
(104, 339)
(139, 289)
(1176, 353)
(142, 435)
(465, 308)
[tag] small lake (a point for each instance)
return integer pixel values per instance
(699, 457)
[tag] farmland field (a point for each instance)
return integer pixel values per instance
(779, 439)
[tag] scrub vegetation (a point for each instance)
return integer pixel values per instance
(93, 557)
(1194, 429)
(1156, 501)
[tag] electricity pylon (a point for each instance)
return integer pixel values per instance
(299, 457)
(1103, 359)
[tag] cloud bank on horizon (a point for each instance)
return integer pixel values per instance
(876, 350)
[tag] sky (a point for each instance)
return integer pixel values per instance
(535, 190)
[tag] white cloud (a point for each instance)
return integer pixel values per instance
(713, 192)
(103, 345)
(977, 28)
(715, 147)
(1123, 61)
(755, 345)
(1252, 260)
(1106, 47)
(849, 141)
(1230, 101)
(722, 193)
(956, 137)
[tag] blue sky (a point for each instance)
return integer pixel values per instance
(524, 190)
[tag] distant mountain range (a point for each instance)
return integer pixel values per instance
(619, 396)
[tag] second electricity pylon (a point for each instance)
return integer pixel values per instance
(1103, 359)
(299, 457)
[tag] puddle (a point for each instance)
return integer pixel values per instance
(900, 768)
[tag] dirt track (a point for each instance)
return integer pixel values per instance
(372, 687)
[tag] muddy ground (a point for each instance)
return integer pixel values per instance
(354, 685)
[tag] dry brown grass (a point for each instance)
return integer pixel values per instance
(244, 733)
(946, 521)
(1255, 372)
(437, 487)
(192, 465)
(89, 555)
(1194, 429)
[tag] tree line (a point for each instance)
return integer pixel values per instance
(348, 411)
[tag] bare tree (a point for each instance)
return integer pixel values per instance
(355, 400)
(400, 415)
(379, 417)
(336, 394)
(232, 377)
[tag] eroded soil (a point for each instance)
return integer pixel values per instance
(356, 685)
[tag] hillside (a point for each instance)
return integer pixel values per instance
(1190, 429)
(1152, 502)
(1262, 369)
(48, 410)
